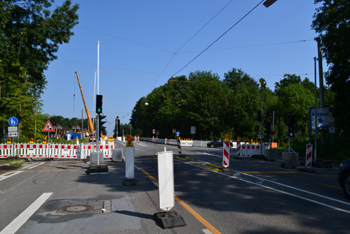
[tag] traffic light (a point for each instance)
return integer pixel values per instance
(100, 123)
(291, 126)
(119, 130)
(99, 104)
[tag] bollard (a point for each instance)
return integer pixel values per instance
(226, 152)
(179, 144)
(129, 163)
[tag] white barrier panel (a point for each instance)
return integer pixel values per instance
(32, 150)
(186, 143)
(6, 150)
(166, 180)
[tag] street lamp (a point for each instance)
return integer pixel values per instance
(268, 3)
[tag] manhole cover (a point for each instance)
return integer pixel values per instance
(76, 208)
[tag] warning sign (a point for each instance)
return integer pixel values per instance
(48, 127)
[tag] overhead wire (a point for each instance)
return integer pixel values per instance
(219, 38)
(187, 42)
(153, 47)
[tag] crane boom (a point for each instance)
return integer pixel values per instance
(91, 126)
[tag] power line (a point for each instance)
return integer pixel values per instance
(203, 27)
(153, 47)
(219, 37)
(189, 41)
(239, 47)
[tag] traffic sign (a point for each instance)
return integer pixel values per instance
(12, 129)
(13, 134)
(331, 130)
(331, 119)
(154, 131)
(193, 129)
(178, 133)
(48, 127)
(13, 121)
(331, 125)
(174, 130)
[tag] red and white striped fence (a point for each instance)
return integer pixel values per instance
(226, 154)
(66, 151)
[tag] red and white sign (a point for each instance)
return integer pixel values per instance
(308, 158)
(48, 127)
(226, 155)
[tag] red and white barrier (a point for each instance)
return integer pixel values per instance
(239, 148)
(32, 150)
(64, 151)
(6, 150)
(165, 141)
(179, 145)
(226, 154)
(308, 157)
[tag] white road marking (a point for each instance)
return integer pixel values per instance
(9, 174)
(280, 191)
(17, 223)
(30, 166)
(206, 231)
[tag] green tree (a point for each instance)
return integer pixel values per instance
(332, 22)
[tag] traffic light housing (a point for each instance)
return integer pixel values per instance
(291, 126)
(119, 130)
(100, 123)
(99, 104)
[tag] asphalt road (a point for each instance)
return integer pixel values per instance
(257, 197)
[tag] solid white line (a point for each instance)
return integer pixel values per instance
(280, 191)
(301, 190)
(17, 223)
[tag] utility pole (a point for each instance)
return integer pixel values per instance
(315, 152)
(261, 123)
(320, 74)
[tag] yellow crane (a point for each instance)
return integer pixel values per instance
(91, 126)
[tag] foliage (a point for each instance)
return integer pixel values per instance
(30, 34)
(332, 22)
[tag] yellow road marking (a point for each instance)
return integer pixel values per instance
(59, 170)
(268, 172)
(43, 170)
(28, 171)
(189, 209)
(332, 186)
(74, 169)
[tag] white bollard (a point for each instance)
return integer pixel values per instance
(129, 162)
(166, 180)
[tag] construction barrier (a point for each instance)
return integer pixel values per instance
(308, 157)
(179, 144)
(64, 151)
(239, 149)
(226, 153)
(6, 150)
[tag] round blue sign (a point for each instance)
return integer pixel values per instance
(178, 133)
(13, 121)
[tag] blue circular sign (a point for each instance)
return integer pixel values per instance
(13, 121)
(178, 133)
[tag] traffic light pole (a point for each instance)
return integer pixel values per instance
(98, 138)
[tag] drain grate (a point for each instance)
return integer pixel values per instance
(79, 208)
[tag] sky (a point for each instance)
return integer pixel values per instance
(144, 43)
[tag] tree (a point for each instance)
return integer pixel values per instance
(332, 22)
(30, 35)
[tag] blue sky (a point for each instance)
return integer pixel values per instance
(140, 42)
